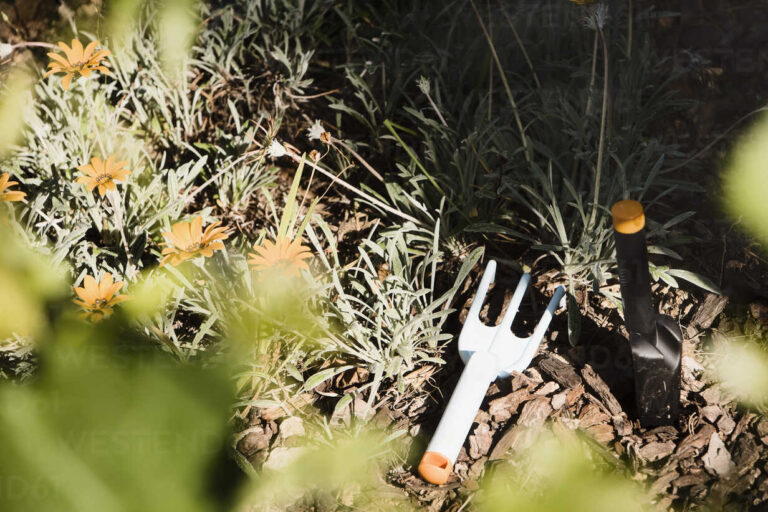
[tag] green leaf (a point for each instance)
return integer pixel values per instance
(289, 214)
(324, 375)
(694, 278)
(342, 403)
(574, 320)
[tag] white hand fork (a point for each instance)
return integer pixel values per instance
(488, 352)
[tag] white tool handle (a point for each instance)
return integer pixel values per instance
(480, 371)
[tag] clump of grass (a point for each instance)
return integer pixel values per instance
(537, 161)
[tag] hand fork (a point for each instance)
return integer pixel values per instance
(488, 352)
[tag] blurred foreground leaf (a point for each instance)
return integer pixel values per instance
(27, 282)
(746, 182)
(13, 100)
(109, 426)
(742, 367)
(557, 475)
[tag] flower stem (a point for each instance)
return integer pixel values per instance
(520, 44)
(507, 88)
(601, 145)
(629, 29)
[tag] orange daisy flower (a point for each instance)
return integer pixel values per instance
(98, 298)
(9, 195)
(282, 255)
(102, 174)
(187, 239)
(77, 61)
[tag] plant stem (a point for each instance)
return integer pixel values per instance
(360, 159)
(629, 30)
(521, 44)
(507, 88)
(335, 179)
(490, 68)
(114, 198)
(601, 145)
(592, 77)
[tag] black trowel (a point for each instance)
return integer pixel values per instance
(655, 340)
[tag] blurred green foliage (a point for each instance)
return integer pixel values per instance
(556, 474)
(746, 182)
(111, 426)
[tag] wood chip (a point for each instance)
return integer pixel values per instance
(474, 473)
(254, 441)
(601, 388)
(522, 434)
(691, 370)
(762, 427)
(602, 433)
(519, 381)
(661, 483)
(711, 413)
(742, 425)
(480, 441)
(294, 403)
(707, 312)
(726, 424)
(482, 417)
(711, 395)
(662, 433)
(535, 413)
(690, 479)
(717, 460)
(759, 312)
(695, 441)
(290, 427)
(657, 450)
(746, 453)
(558, 401)
(501, 409)
(560, 371)
(518, 437)
(574, 395)
(565, 431)
(534, 375)
(547, 389)
(591, 414)
(622, 424)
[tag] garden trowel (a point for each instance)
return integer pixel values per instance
(488, 352)
(655, 340)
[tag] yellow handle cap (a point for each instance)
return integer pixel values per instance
(628, 217)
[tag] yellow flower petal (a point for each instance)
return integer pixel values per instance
(89, 50)
(77, 51)
(196, 230)
(67, 81)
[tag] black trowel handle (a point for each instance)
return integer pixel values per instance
(632, 259)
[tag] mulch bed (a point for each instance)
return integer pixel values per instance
(715, 454)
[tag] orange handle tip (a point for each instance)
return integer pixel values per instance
(435, 468)
(628, 217)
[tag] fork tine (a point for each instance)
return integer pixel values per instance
(482, 290)
(532, 343)
(514, 304)
(546, 318)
